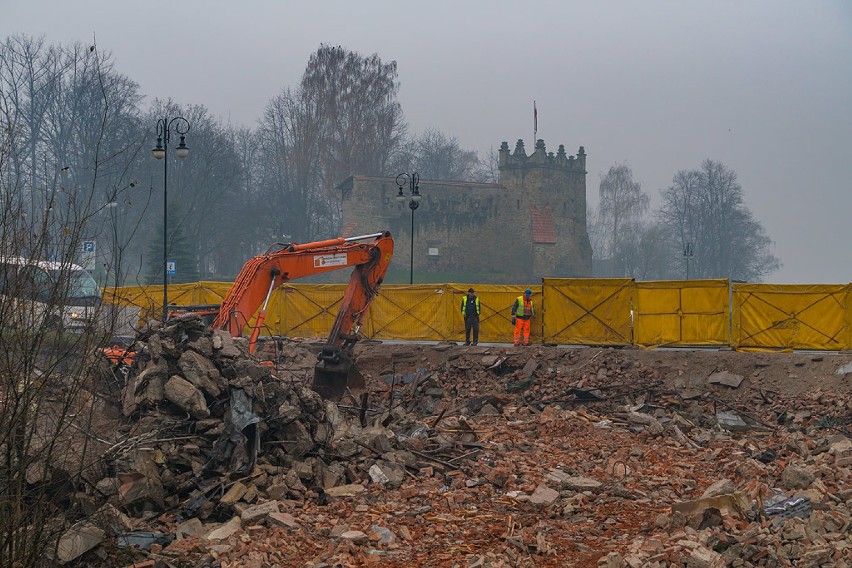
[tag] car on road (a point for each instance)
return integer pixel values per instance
(58, 295)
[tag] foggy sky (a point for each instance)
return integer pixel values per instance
(764, 87)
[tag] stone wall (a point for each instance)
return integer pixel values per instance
(482, 232)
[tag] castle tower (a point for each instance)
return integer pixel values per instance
(547, 197)
(530, 225)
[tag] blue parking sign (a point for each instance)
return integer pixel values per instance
(88, 246)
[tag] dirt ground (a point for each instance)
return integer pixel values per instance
(483, 456)
(544, 457)
(788, 373)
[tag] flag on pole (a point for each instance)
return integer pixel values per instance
(535, 122)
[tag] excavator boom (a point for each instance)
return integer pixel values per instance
(369, 254)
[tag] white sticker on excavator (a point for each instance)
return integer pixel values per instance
(323, 260)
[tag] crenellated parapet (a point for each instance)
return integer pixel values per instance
(529, 225)
(540, 157)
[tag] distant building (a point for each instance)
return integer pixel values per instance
(530, 225)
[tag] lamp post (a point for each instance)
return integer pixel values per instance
(414, 188)
(687, 254)
(112, 205)
(164, 131)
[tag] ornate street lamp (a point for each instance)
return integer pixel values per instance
(414, 187)
(164, 131)
(687, 254)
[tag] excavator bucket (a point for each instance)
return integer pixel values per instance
(335, 372)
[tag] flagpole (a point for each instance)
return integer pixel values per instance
(535, 123)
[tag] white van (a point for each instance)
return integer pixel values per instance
(44, 292)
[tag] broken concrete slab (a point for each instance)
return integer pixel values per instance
(77, 541)
(651, 424)
(256, 514)
(145, 389)
(690, 393)
(384, 534)
(141, 481)
(377, 475)
(356, 537)
(703, 557)
(796, 477)
(721, 487)
(839, 444)
(234, 494)
(732, 504)
(350, 490)
(576, 483)
(844, 369)
(224, 345)
(529, 368)
(225, 530)
(731, 421)
(283, 520)
(725, 378)
(201, 372)
(111, 519)
(189, 528)
(187, 397)
(544, 495)
(389, 474)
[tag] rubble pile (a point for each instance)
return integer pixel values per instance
(479, 456)
(785, 496)
(216, 440)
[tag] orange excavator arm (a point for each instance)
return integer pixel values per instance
(263, 273)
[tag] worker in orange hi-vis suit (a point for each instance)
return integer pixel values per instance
(522, 312)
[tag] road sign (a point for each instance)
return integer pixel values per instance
(89, 247)
(171, 267)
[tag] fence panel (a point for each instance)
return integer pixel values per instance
(588, 311)
(681, 312)
(304, 310)
(417, 312)
(790, 316)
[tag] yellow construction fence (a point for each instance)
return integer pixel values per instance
(580, 311)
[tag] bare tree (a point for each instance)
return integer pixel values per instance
(30, 75)
(290, 170)
(648, 255)
(255, 212)
(487, 170)
(75, 136)
(94, 131)
(704, 208)
(48, 400)
(343, 119)
(360, 120)
(623, 205)
(434, 155)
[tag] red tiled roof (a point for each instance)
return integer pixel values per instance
(543, 229)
